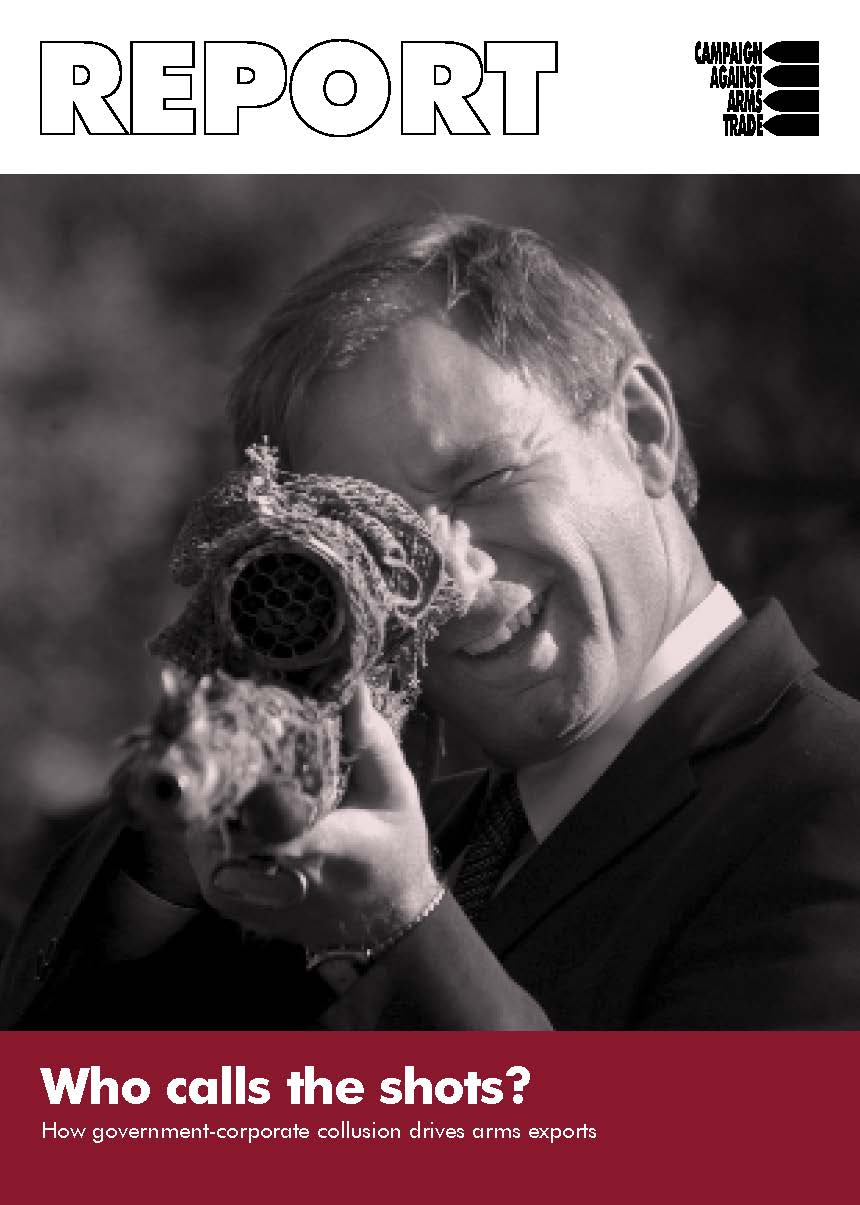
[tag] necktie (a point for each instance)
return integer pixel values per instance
(500, 825)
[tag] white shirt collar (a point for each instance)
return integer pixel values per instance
(551, 789)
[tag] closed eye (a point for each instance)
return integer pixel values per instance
(483, 485)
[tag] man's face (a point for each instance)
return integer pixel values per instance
(564, 557)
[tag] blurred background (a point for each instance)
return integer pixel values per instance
(124, 302)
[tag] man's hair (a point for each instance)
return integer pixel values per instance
(504, 288)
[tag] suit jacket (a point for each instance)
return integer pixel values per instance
(709, 879)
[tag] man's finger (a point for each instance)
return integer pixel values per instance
(379, 772)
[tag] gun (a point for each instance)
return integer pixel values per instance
(301, 585)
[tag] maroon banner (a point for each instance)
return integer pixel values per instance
(151, 1117)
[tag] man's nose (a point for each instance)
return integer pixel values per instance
(465, 561)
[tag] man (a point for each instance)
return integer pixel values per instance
(681, 792)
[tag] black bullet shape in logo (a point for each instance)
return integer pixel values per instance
(793, 52)
(805, 76)
(804, 100)
(796, 124)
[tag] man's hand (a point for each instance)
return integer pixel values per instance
(367, 864)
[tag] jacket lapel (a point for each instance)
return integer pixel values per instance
(641, 788)
(450, 812)
(730, 695)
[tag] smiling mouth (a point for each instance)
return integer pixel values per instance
(501, 639)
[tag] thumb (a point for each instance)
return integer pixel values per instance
(379, 772)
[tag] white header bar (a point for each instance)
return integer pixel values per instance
(453, 87)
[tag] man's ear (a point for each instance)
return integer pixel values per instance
(647, 411)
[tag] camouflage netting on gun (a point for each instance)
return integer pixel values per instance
(300, 585)
(380, 558)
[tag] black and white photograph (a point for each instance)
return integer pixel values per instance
(430, 602)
